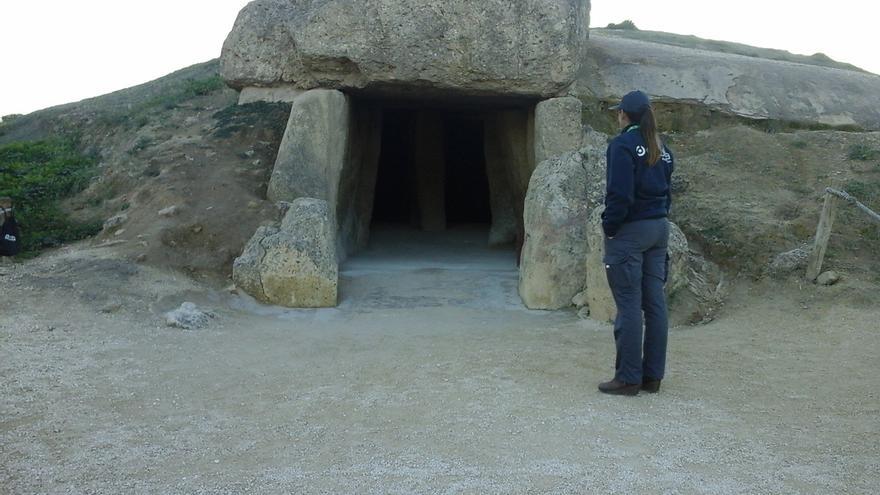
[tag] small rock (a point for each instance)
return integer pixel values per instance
(828, 278)
(111, 308)
(584, 313)
(188, 317)
(789, 261)
(257, 163)
(197, 229)
(249, 153)
(119, 232)
(141, 258)
(580, 299)
(170, 211)
(115, 221)
(253, 205)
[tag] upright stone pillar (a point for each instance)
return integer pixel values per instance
(430, 172)
(509, 166)
(553, 262)
(358, 183)
(313, 151)
(558, 127)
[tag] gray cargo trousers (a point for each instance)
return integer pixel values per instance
(637, 266)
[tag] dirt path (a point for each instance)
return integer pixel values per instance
(98, 396)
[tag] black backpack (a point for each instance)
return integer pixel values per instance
(10, 236)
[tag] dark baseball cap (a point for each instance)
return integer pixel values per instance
(634, 102)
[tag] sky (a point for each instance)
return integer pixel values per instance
(60, 51)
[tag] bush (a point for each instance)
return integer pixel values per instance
(862, 152)
(627, 25)
(37, 176)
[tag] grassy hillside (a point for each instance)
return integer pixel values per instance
(689, 41)
(179, 141)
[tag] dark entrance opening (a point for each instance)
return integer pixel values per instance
(467, 185)
(432, 171)
(395, 197)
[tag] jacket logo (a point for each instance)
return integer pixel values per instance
(10, 238)
(666, 157)
(641, 151)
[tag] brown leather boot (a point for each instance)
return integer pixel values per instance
(651, 385)
(615, 387)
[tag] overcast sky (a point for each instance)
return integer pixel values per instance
(59, 51)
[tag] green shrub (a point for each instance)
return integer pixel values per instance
(626, 25)
(37, 176)
(202, 87)
(862, 152)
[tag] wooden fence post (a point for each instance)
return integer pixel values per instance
(823, 233)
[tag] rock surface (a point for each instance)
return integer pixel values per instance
(695, 286)
(525, 47)
(293, 265)
(552, 262)
(558, 127)
(828, 278)
(789, 261)
(313, 150)
(735, 84)
(115, 221)
(562, 193)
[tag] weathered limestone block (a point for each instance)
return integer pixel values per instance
(502, 202)
(695, 286)
(552, 263)
(295, 264)
(313, 150)
(751, 87)
(284, 94)
(509, 166)
(526, 47)
(558, 127)
(358, 181)
(573, 185)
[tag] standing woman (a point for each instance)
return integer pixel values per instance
(637, 202)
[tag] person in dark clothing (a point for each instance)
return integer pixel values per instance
(637, 202)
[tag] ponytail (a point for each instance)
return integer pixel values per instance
(648, 128)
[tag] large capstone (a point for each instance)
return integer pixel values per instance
(293, 265)
(520, 47)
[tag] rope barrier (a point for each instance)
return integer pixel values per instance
(844, 195)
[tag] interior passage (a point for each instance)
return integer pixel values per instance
(432, 171)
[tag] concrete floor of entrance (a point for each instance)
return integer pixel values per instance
(408, 268)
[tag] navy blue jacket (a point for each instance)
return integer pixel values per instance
(635, 191)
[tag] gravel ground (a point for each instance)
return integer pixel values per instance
(429, 378)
